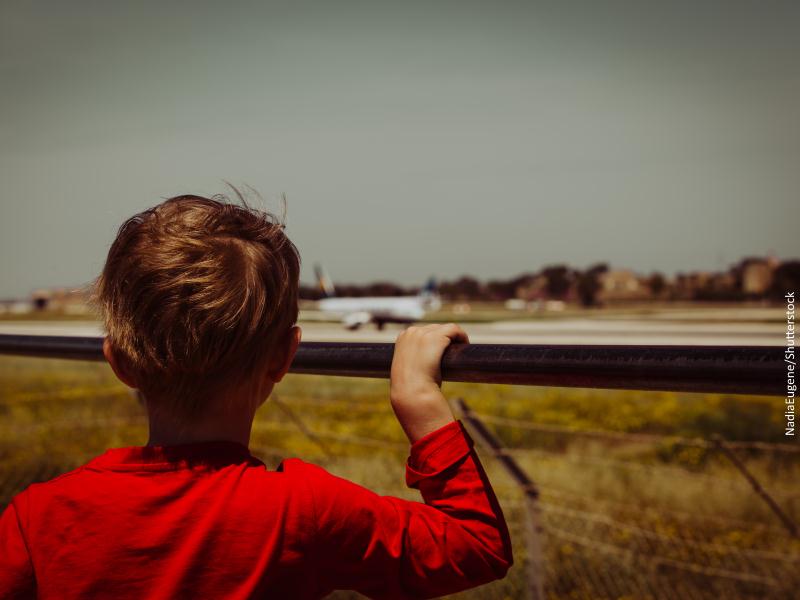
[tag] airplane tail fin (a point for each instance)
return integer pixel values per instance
(430, 288)
(325, 284)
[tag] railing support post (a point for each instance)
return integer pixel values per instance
(534, 529)
(790, 525)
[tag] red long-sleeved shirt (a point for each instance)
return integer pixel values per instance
(209, 520)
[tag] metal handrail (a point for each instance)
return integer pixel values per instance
(715, 369)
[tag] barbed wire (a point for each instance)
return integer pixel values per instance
(95, 422)
(635, 436)
(67, 394)
(340, 437)
(617, 578)
(709, 546)
(682, 515)
(642, 467)
(661, 560)
(349, 405)
(683, 523)
(623, 436)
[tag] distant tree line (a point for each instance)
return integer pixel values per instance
(750, 279)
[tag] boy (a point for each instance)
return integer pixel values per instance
(199, 300)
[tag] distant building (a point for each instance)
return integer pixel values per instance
(690, 286)
(15, 307)
(752, 277)
(64, 300)
(756, 275)
(722, 282)
(622, 285)
(533, 288)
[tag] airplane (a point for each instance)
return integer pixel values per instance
(355, 312)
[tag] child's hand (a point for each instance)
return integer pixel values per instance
(416, 396)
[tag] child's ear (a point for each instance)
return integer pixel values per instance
(117, 365)
(281, 362)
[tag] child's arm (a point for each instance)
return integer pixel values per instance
(16, 571)
(387, 547)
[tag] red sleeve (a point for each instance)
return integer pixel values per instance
(16, 571)
(386, 547)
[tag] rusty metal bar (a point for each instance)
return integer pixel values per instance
(723, 369)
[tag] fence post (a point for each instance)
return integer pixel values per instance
(534, 529)
(723, 447)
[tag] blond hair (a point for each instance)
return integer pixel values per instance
(194, 295)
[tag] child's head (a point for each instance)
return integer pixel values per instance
(198, 295)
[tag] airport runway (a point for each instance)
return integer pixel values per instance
(545, 331)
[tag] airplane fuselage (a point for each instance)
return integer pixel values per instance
(355, 312)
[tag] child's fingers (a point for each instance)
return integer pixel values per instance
(454, 332)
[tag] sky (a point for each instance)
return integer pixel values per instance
(410, 138)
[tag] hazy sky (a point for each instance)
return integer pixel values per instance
(410, 138)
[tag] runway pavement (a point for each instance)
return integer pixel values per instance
(545, 331)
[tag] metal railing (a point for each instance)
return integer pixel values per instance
(720, 369)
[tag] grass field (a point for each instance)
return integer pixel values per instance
(625, 516)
